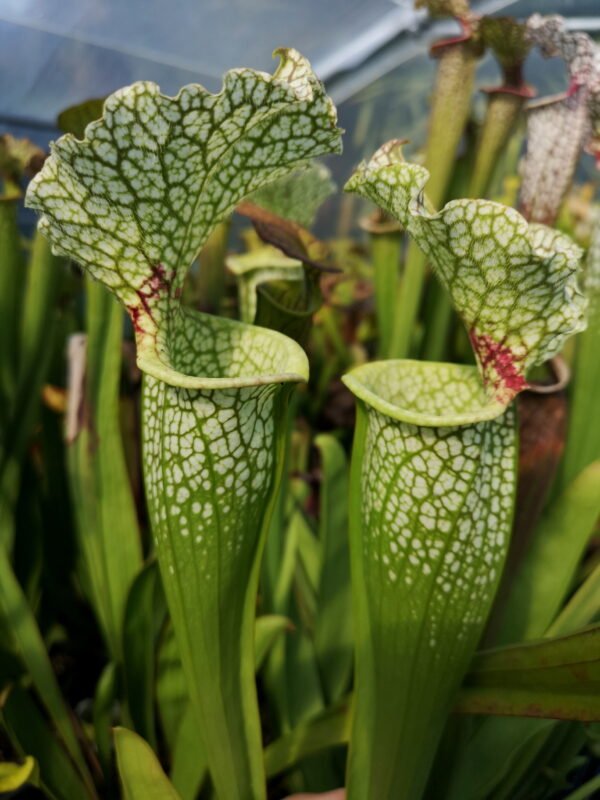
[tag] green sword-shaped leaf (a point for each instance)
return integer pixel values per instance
(133, 203)
(434, 469)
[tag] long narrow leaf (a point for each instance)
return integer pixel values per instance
(18, 618)
(142, 777)
(278, 575)
(475, 775)
(105, 703)
(583, 607)
(171, 694)
(543, 766)
(549, 679)
(268, 629)
(333, 632)
(583, 440)
(144, 616)
(11, 287)
(103, 501)
(553, 679)
(546, 574)
(189, 766)
(34, 342)
(330, 728)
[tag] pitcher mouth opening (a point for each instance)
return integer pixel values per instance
(202, 351)
(424, 393)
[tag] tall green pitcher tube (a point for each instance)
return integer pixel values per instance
(432, 493)
(134, 202)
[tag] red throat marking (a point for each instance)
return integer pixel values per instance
(153, 286)
(498, 363)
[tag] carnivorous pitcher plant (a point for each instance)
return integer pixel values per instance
(434, 468)
(138, 618)
(133, 202)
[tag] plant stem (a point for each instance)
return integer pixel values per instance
(450, 108)
(435, 343)
(386, 249)
(583, 436)
(502, 114)
(503, 111)
(11, 283)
